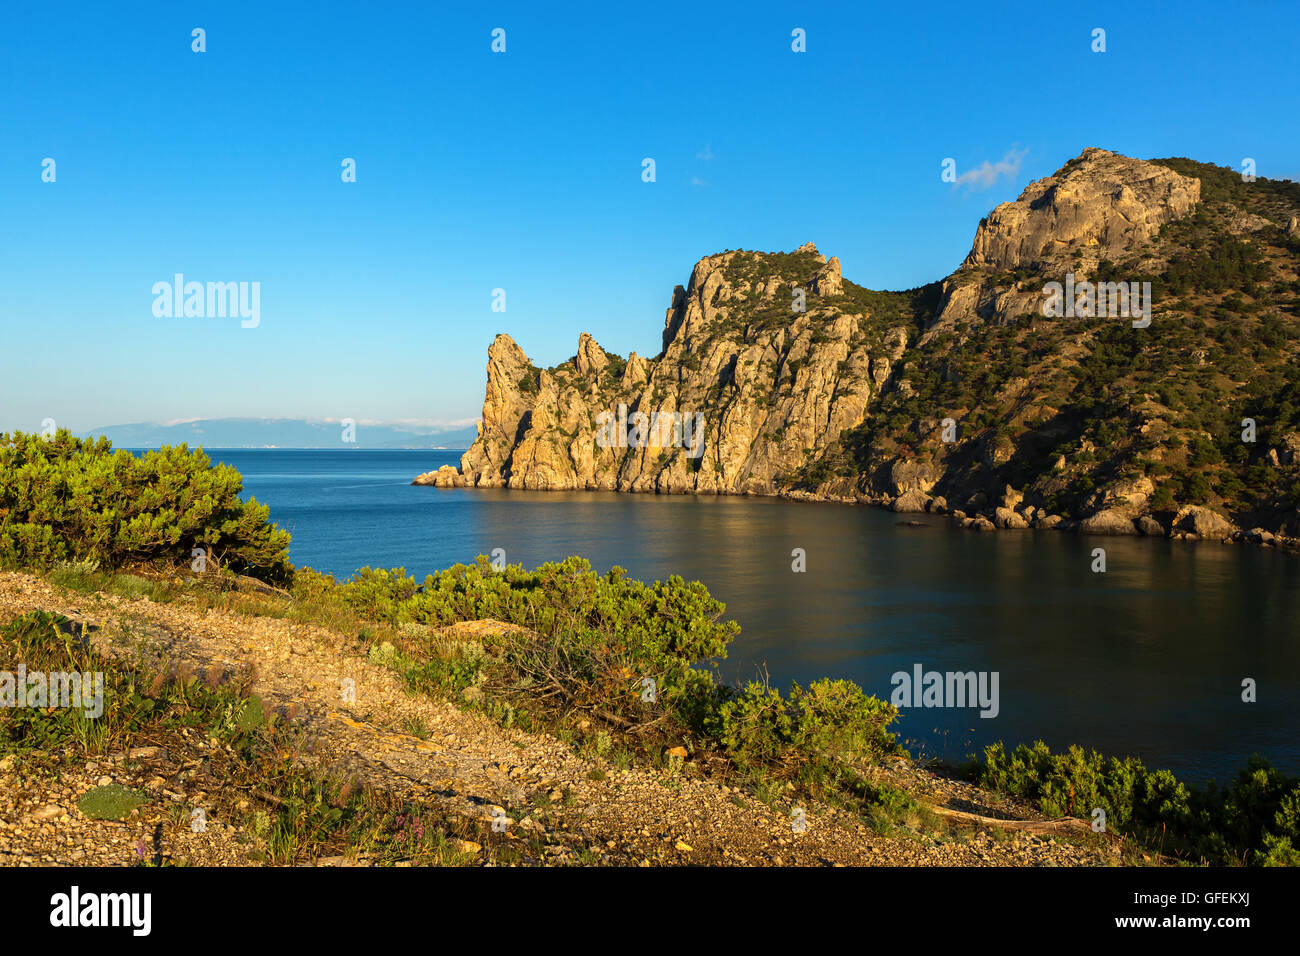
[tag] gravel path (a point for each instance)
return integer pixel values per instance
(578, 809)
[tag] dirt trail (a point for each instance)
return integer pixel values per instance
(575, 806)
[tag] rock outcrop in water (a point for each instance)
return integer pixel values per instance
(743, 392)
(777, 375)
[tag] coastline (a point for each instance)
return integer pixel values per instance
(1106, 523)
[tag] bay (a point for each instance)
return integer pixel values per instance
(1147, 658)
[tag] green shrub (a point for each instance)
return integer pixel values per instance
(250, 716)
(586, 645)
(1256, 820)
(831, 724)
(594, 636)
(72, 499)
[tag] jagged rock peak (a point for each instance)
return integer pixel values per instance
(706, 267)
(828, 281)
(1102, 201)
(809, 247)
(591, 357)
(636, 371)
(504, 347)
(709, 266)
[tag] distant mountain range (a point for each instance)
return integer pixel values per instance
(283, 433)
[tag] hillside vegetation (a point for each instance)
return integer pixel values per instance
(1078, 414)
(72, 499)
(617, 668)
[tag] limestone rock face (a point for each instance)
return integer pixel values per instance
(1203, 522)
(1107, 522)
(444, 477)
(913, 502)
(777, 375)
(905, 476)
(1098, 206)
(1126, 498)
(811, 249)
(1101, 200)
(635, 373)
(828, 281)
(1006, 518)
(1150, 527)
(731, 405)
(591, 357)
(1289, 450)
(505, 408)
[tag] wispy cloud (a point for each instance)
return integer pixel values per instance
(706, 154)
(986, 175)
(697, 181)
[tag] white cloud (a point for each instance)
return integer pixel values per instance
(986, 175)
(706, 154)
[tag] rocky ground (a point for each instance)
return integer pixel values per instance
(559, 807)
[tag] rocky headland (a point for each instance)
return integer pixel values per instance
(965, 397)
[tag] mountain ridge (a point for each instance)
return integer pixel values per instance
(966, 395)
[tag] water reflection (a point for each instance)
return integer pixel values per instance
(1147, 658)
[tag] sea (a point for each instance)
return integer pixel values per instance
(1183, 654)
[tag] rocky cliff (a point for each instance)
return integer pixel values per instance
(779, 376)
(758, 389)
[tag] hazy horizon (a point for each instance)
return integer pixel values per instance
(288, 434)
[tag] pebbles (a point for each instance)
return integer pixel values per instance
(569, 808)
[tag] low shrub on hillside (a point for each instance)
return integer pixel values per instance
(71, 499)
(1256, 820)
(133, 700)
(830, 725)
(615, 653)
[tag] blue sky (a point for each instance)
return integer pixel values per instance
(522, 171)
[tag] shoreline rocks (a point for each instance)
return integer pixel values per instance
(1194, 522)
(445, 477)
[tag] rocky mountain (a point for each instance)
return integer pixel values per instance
(1117, 353)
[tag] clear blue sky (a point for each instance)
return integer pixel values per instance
(522, 171)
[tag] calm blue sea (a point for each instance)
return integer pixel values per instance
(1147, 658)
